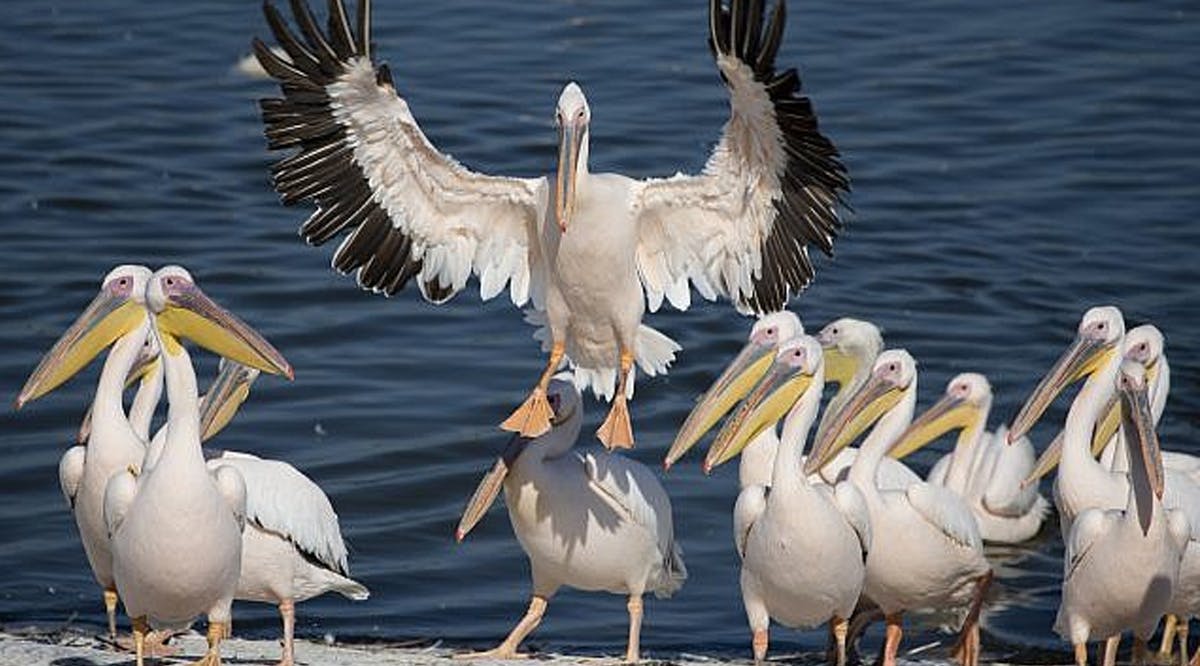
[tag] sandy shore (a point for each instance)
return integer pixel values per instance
(76, 648)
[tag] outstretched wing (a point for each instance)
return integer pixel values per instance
(771, 188)
(411, 211)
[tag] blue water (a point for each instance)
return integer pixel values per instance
(1013, 163)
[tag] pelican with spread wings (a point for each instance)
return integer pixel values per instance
(590, 251)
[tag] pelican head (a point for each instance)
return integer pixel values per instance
(798, 367)
(565, 424)
(181, 309)
(893, 376)
(848, 344)
(118, 309)
(572, 117)
(965, 406)
(736, 380)
(1096, 342)
(1138, 422)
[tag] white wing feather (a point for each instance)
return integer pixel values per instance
(1088, 526)
(1002, 473)
(70, 472)
(751, 502)
(945, 510)
(283, 500)
(853, 507)
(119, 493)
(634, 491)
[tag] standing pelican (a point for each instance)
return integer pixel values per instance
(116, 317)
(983, 469)
(1121, 564)
(292, 547)
(589, 249)
(593, 521)
(926, 551)
(176, 527)
(802, 546)
(851, 347)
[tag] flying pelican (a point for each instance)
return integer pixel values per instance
(116, 317)
(593, 521)
(176, 527)
(748, 367)
(983, 469)
(589, 249)
(802, 546)
(1121, 564)
(926, 551)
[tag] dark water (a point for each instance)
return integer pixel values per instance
(1012, 164)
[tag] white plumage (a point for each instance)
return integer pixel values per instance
(593, 521)
(591, 250)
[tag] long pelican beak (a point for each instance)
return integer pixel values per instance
(949, 413)
(189, 313)
(1105, 429)
(146, 361)
(770, 399)
(1081, 359)
(839, 366)
(872, 401)
(571, 136)
(734, 383)
(227, 393)
(109, 316)
(490, 485)
(1145, 457)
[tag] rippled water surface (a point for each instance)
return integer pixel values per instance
(1013, 163)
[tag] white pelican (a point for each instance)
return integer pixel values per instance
(589, 249)
(926, 552)
(176, 527)
(116, 316)
(748, 367)
(983, 469)
(1121, 564)
(292, 547)
(802, 546)
(593, 521)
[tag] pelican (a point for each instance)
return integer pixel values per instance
(802, 546)
(176, 527)
(292, 547)
(116, 317)
(851, 347)
(1100, 347)
(1121, 564)
(982, 469)
(593, 521)
(592, 250)
(748, 367)
(926, 551)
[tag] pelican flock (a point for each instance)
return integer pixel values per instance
(826, 533)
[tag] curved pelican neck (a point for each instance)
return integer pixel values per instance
(965, 450)
(183, 409)
(108, 407)
(149, 392)
(873, 449)
(786, 473)
(1077, 465)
